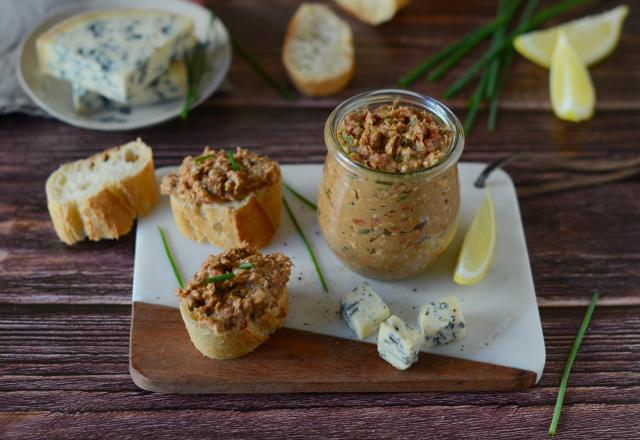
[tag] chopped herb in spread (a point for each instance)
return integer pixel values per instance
(246, 284)
(394, 138)
(219, 176)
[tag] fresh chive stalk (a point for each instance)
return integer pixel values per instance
(232, 161)
(494, 66)
(202, 158)
(195, 61)
(221, 277)
(279, 87)
(306, 243)
(537, 20)
(567, 367)
(228, 275)
(505, 64)
(442, 54)
(476, 99)
(300, 197)
(167, 251)
(504, 15)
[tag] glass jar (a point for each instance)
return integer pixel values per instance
(382, 224)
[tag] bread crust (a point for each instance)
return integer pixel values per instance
(307, 85)
(366, 16)
(230, 344)
(254, 219)
(110, 212)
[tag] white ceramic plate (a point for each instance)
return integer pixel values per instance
(503, 324)
(54, 95)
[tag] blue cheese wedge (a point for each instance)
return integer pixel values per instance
(441, 322)
(171, 84)
(114, 52)
(398, 343)
(363, 310)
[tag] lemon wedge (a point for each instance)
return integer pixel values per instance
(593, 37)
(478, 246)
(573, 97)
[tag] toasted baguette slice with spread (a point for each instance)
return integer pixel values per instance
(226, 201)
(318, 50)
(99, 197)
(229, 318)
(373, 12)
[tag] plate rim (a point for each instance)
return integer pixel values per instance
(62, 13)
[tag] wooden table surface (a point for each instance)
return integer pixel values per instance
(65, 311)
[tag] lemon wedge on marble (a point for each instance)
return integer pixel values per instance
(593, 37)
(476, 254)
(573, 97)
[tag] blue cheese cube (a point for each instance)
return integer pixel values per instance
(399, 343)
(113, 52)
(441, 322)
(363, 310)
(171, 84)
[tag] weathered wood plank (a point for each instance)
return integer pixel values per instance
(85, 349)
(592, 421)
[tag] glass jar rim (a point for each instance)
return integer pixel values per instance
(386, 96)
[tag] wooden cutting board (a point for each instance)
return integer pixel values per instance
(317, 352)
(292, 361)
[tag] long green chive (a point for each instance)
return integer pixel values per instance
(420, 70)
(221, 277)
(228, 275)
(306, 243)
(300, 197)
(494, 67)
(280, 88)
(505, 64)
(167, 252)
(539, 18)
(499, 23)
(569, 364)
(474, 105)
(232, 161)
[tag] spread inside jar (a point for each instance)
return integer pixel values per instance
(394, 138)
(219, 176)
(257, 285)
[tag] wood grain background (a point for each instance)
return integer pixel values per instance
(65, 311)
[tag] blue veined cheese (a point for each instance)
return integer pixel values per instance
(113, 52)
(171, 84)
(363, 310)
(441, 321)
(399, 343)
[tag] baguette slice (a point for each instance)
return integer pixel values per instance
(318, 50)
(213, 202)
(228, 319)
(253, 219)
(373, 12)
(99, 197)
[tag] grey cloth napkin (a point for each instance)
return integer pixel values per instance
(17, 19)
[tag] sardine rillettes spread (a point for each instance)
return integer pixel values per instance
(394, 223)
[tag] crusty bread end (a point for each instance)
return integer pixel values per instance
(318, 50)
(373, 12)
(254, 219)
(231, 344)
(100, 197)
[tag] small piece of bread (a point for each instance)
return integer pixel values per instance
(99, 197)
(213, 202)
(373, 12)
(318, 50)
(229, 318)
